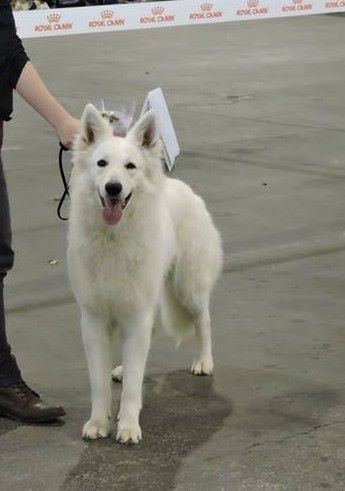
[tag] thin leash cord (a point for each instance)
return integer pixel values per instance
(64, 182)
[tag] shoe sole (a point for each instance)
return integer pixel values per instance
(31, 420)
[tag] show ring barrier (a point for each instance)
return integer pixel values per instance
(120, 17)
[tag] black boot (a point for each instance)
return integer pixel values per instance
(21, 403)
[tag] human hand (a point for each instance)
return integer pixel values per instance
(66, 130)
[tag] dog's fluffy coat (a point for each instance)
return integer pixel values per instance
(157, 264)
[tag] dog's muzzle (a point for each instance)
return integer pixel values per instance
(113, 201)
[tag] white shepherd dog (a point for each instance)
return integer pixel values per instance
(142, 249)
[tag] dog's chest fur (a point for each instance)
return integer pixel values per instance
(124, 269)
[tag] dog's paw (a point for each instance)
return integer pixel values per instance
(128, 433)
(117, 374)
(202, 366)
(95, 428)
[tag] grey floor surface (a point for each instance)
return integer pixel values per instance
(259, 108)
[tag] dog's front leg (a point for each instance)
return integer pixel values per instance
(136, 344)
(97, 349)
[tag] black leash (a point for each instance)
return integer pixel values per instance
(64, 182)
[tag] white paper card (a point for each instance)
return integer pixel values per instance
(155, 100)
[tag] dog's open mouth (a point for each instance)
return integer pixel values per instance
(113, 209)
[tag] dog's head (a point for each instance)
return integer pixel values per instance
(116, 170)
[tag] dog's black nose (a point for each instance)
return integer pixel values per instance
(113, 188)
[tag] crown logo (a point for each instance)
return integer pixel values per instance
(157, 10)
(107, 14)
(53, 18)
(252, 3)
(206, 6)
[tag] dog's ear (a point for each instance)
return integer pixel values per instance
(93, 126)
(145, 131)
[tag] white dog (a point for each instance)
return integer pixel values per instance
(142, 249)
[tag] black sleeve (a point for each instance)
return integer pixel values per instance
(13, 58)
(17, 59)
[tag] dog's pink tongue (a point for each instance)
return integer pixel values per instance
(112, 214)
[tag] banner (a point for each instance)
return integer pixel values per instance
(120, 17)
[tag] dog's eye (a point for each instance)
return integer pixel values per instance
(130, 165)
(102, 163)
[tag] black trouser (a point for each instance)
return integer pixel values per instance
(9, 371)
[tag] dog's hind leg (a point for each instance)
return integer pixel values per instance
(136, 344)
(96, 341)
(117, 374)
(203, 361)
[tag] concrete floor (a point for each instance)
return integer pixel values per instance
(260, 112)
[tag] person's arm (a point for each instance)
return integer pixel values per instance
(16, 72)
(31, 87)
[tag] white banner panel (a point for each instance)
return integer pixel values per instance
(119, 17)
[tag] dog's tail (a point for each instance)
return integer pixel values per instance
(174, 317)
